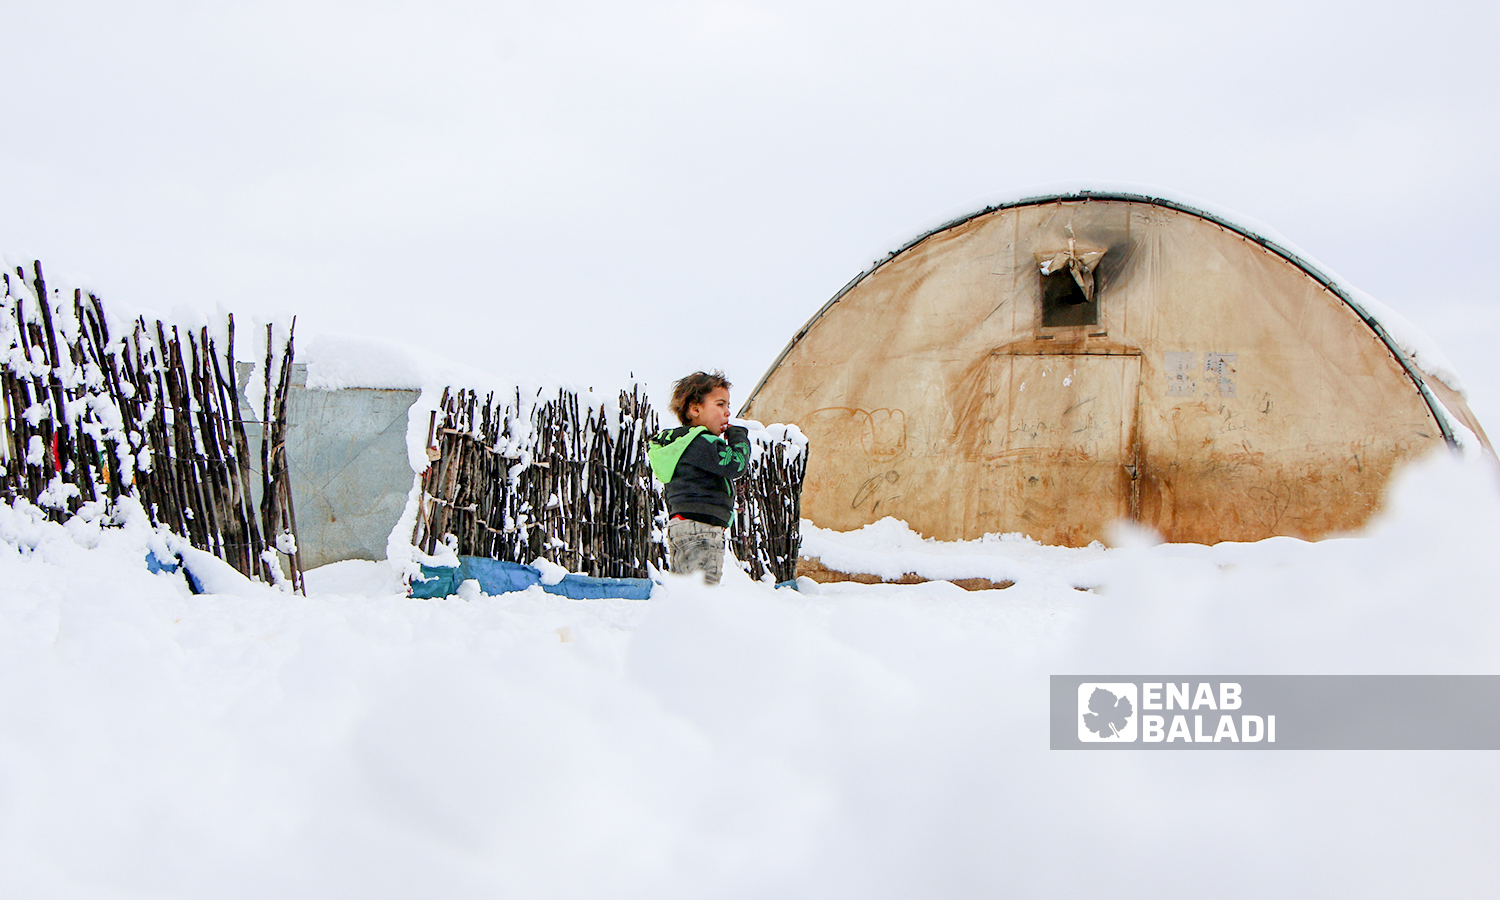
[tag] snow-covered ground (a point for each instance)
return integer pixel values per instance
(738, 742)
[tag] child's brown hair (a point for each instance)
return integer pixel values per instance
(692, 389)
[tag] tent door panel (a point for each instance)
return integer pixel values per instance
(1061, 453)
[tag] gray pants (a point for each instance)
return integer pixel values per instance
(696, 547)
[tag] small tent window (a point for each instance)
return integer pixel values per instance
(1067, 286)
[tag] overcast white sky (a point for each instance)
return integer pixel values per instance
(674, 185)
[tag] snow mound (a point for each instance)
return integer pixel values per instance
(736, 742)
(890, 549)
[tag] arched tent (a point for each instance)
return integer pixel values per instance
(1052, 364)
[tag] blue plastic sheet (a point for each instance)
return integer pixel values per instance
(172, 566)
(499, 577)
(155, 565)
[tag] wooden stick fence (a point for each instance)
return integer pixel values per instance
(155, 414)
(90, 417)
(766, 533)
(517, 480)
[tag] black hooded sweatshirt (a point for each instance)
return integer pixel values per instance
(696, 468)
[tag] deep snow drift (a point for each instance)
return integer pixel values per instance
(739, 742)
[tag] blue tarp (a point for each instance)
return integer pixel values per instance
(498, 577)
(172, 567)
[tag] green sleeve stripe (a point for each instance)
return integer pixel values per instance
(664, 457)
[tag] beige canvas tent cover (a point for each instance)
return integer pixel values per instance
(1053, 364)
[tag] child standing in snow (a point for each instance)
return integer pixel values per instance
(697, 462)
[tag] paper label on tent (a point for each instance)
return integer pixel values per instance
(1180, 368)
(1219, 371)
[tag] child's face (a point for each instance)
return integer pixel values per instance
(712, 413)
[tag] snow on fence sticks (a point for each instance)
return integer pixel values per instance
(143, 410)
(765, 534)
(522, 478)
